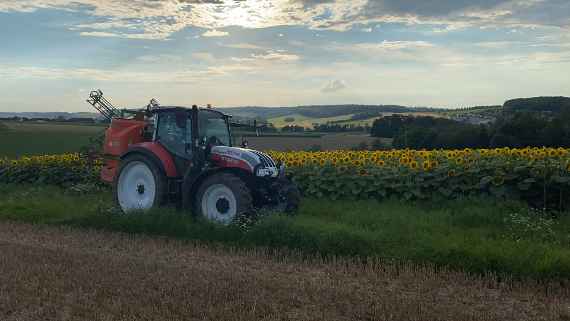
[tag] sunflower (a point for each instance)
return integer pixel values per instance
(451, 173)
(362, 172)
(381, 163)
(552, 153)
(426, 166)
(414, 165)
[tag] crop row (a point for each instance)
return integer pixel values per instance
(540, 176)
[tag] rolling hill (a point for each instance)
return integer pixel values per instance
(538, 104)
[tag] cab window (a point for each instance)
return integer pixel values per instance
(174, 132)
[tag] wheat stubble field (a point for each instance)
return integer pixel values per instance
(54, 273)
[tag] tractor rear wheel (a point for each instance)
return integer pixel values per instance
(222, 198)
(140, 186)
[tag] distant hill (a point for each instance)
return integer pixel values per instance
(49, 115)
(322, 111)
(538, 104)
(348, 113)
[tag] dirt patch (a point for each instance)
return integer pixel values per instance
(51, 273)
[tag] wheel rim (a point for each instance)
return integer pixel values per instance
(219, 204)
(136, 189)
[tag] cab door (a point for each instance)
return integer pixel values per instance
(174, 132)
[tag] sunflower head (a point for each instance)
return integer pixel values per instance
(414, 165)
(552, 153)
(405, 160)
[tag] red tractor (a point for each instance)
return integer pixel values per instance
(160, 155)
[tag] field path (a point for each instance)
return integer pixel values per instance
(51, 273)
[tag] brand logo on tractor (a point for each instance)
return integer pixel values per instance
(230, 160)
(230, 152)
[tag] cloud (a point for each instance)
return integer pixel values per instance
(243, 46)
(215, 33)
(334, 86)
(158, 19)
(269, 56)
(184, 76)
(393, 51)
(276, 56)
(158, 58)
(204, 56)
(399, 45)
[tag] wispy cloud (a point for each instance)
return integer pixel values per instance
(204, 56)
(243, 46)
(269, 56)
(333, 86)
(189, 75)
(215, 33)
(399, 45)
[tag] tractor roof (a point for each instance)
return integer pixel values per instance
(179, 108)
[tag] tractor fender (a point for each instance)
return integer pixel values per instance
(193, 179)
(158, 154)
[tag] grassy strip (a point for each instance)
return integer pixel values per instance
(478, 236)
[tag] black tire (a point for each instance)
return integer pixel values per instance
(291, 195)
(161, 183)
(240, 191)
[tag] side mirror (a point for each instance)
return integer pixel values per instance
(181, 118)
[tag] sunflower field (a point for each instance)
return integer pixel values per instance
(540, 176)
(61, 170)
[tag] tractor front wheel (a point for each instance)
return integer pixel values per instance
(222, 198)
(140, 185)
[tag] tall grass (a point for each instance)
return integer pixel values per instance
(474, 235)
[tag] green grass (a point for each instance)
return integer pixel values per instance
(304, 121)
(19, 139)
(474, 235)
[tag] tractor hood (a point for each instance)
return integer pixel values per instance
(255, 162)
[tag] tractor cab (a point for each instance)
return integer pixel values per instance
(186, 132)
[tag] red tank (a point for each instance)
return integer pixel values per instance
(121, 134)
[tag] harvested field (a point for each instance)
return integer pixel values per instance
(326, 142)
(24, 139)
(49, 273)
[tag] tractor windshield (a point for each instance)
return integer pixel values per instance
(213, 128)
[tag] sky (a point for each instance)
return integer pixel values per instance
(441, 53)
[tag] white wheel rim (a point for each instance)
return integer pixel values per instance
(219, 204)
(136, 188)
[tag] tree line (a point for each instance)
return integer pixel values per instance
(517, 129)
